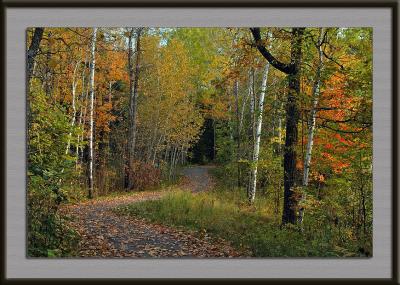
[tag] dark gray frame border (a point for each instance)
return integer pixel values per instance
(210, 4)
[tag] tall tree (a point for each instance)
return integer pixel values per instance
(33, 51)
(133, 92)
(91, 111)
(236, 95)
(312, 118)
(73, 90)
(31, 54)
(292, 70)
(256, 146)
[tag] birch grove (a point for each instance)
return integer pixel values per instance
(279, 119)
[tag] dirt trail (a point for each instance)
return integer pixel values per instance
(197, 178)
(106, 234)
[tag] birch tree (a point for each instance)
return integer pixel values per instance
(73, 88)
(312, 119)
(82, 111)
(91, 110)
(292, 70)
(236, 95)
(256, 150)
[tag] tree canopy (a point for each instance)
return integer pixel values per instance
(285, 115)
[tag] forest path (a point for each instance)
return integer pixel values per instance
(197, 178)
(106, 234)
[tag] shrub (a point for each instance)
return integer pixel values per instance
(49, 170)
(145, 175)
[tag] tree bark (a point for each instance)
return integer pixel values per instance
(292, 116)
(312, 120)
(252, 122)
(48, 75)
(256, 151)
(73, 86)
(30, 63)
(92, 99)
(245, 99)
(80, 135)
(133, 93)
(279, 127)
(236, 95)
(33, 51)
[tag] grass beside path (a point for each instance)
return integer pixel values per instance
(224, 214)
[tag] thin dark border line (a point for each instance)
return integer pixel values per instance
(3, 142)
(199, 4)
(395, 140)
(179, 4)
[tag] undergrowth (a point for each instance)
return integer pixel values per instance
(224, 214)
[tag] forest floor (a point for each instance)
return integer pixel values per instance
(107, 234)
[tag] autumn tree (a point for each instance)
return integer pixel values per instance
(292, 70)
(133, 94)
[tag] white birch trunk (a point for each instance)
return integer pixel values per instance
(80, 136)
(256, 151)
(253, 124)
(154, 154)
(238, 156)
(244, 103)
(84, 103)
(92, 67)
(74, 84)
(312, 120)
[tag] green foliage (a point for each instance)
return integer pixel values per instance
(224, 213)
(270, 168)
(186, 81)
(224, 145)
(49, 170)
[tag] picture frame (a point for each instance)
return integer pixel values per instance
(18, 15)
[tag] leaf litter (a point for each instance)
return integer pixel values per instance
(105, 234)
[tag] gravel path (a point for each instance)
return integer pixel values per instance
(106, 234)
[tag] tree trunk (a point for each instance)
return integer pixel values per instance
(291, 177)
(292, 69)
(312, 120)
(30, 63)
(280, 128)
(92, 98)
(133, 88)
(236, 94)
(32, 51)
(256, 151)
(244, 103)
(252, 122)
(48, 76)
(80, 136)
(74, 84)
(85, 94)
(214, 140)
